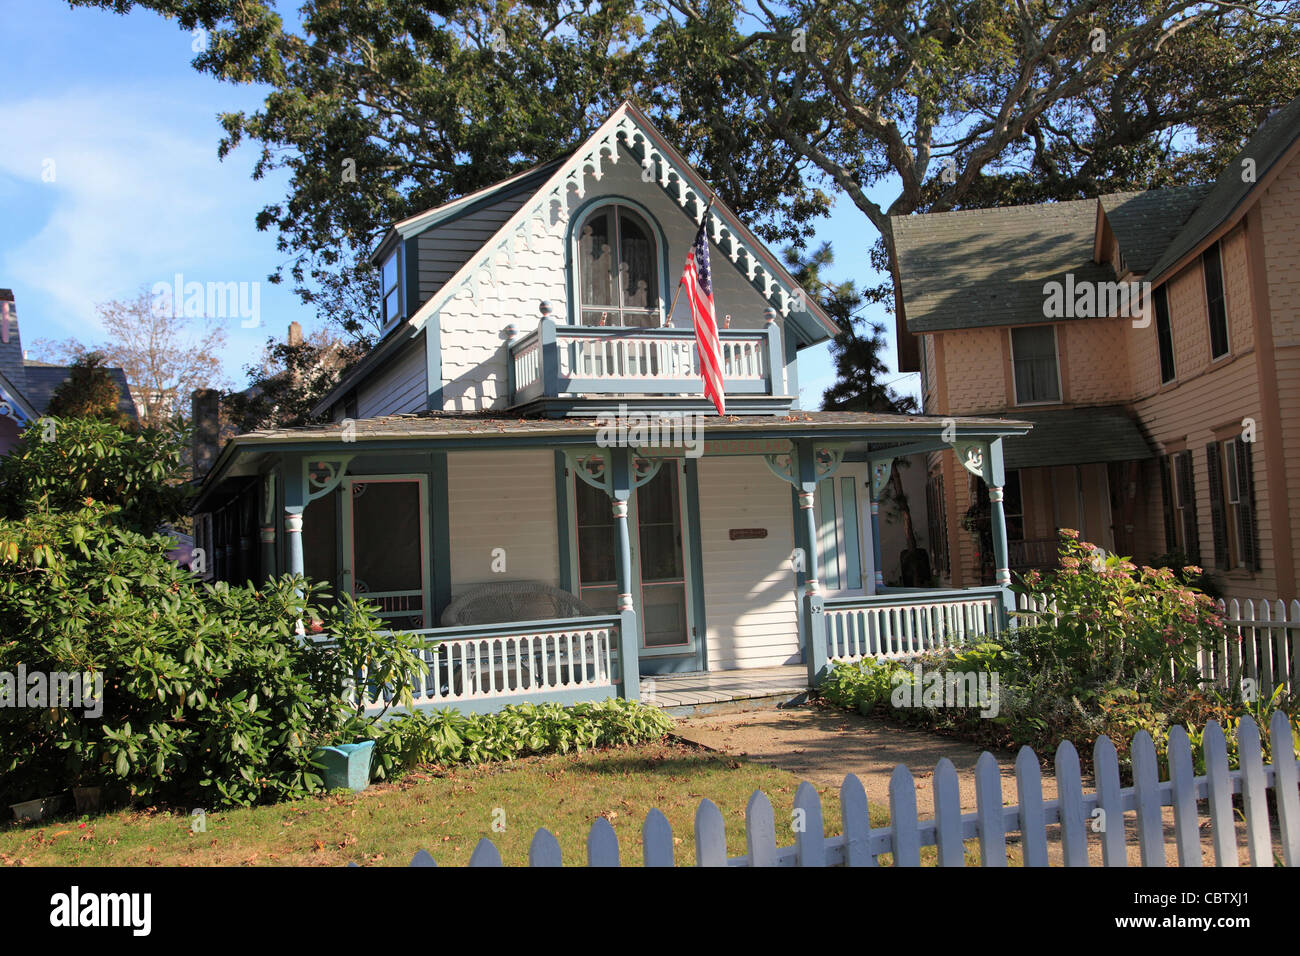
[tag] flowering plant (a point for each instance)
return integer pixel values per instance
(1114, 621)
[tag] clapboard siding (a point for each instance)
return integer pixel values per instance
(1195, 414)
(748, 585)
(472, 322)
(444, 249)
(502, 499)
(401, 386)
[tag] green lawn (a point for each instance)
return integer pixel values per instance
(443, 812)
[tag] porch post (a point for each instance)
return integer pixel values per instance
(629, 636)
(1001, 565)
(295, 501)
(877, 559)
(814, 601)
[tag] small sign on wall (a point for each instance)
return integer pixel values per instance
(748, 534)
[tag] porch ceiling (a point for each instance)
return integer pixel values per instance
(429, 431)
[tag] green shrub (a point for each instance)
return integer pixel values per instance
(209, 696)
(59, 463)
(1115, 623)
(444, 737)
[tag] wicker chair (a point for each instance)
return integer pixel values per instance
(501, 604)
(512, 601)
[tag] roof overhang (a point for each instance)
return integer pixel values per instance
(247, 455)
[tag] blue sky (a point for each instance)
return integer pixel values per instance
(110, 106)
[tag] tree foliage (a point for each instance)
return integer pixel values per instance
(89, 391)
(289, 380)
(58, 464)
(781, 105)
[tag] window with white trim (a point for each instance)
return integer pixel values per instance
(1034, 364)
(618, 266)
(390, 290)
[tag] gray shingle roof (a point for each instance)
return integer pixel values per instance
(43, 379)
(1146, 222)
(1266, 147)
(1076, 436)
(987, 267)
(488, 424)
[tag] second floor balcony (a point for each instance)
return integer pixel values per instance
(574, 369)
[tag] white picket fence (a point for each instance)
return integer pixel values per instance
(1261, 643)
(859, 844)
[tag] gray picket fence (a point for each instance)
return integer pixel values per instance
(1076, 812)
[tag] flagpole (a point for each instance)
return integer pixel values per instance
(681, 279)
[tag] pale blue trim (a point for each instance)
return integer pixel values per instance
(828, 532)
(564, 535)
(852, 553)
(695, 540)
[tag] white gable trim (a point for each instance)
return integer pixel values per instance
(628, 126)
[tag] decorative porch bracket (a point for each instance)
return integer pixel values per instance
(881, 469)
(595, 469)
(319, 485)
(983, 459)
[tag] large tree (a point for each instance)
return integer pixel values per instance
(382, 108)
(379, 108)
(165, 357)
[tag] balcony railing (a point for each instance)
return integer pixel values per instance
(572, 361)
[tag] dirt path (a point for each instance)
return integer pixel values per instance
(822, 745)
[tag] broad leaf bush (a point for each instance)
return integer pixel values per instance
(446, 737)
(60, 462)
(1116, 623)
(209, 695)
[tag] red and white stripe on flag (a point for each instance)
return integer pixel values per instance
(699, 290)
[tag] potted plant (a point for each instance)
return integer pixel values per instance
(345, 766)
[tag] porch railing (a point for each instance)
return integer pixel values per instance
(897, 625)
(571, 360)
(526, 660)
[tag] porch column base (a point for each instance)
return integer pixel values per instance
(293, 540)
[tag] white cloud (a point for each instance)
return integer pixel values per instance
(138, 195)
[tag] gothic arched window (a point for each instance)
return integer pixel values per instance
(618, 269)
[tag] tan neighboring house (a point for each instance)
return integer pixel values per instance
(1172, 426)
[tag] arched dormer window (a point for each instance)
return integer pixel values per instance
(618, 269)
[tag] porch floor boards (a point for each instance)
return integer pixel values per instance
(711, 690)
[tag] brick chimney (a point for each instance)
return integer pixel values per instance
(295, 333)
(205, 405)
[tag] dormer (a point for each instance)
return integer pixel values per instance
(553, 292)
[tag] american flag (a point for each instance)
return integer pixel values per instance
(699, 289)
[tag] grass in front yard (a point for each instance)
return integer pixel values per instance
(443, 812)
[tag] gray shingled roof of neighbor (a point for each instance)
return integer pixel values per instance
(43, 379)
(987, 267)
(1146, 222)
(1076, 436)
(1266, 147)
